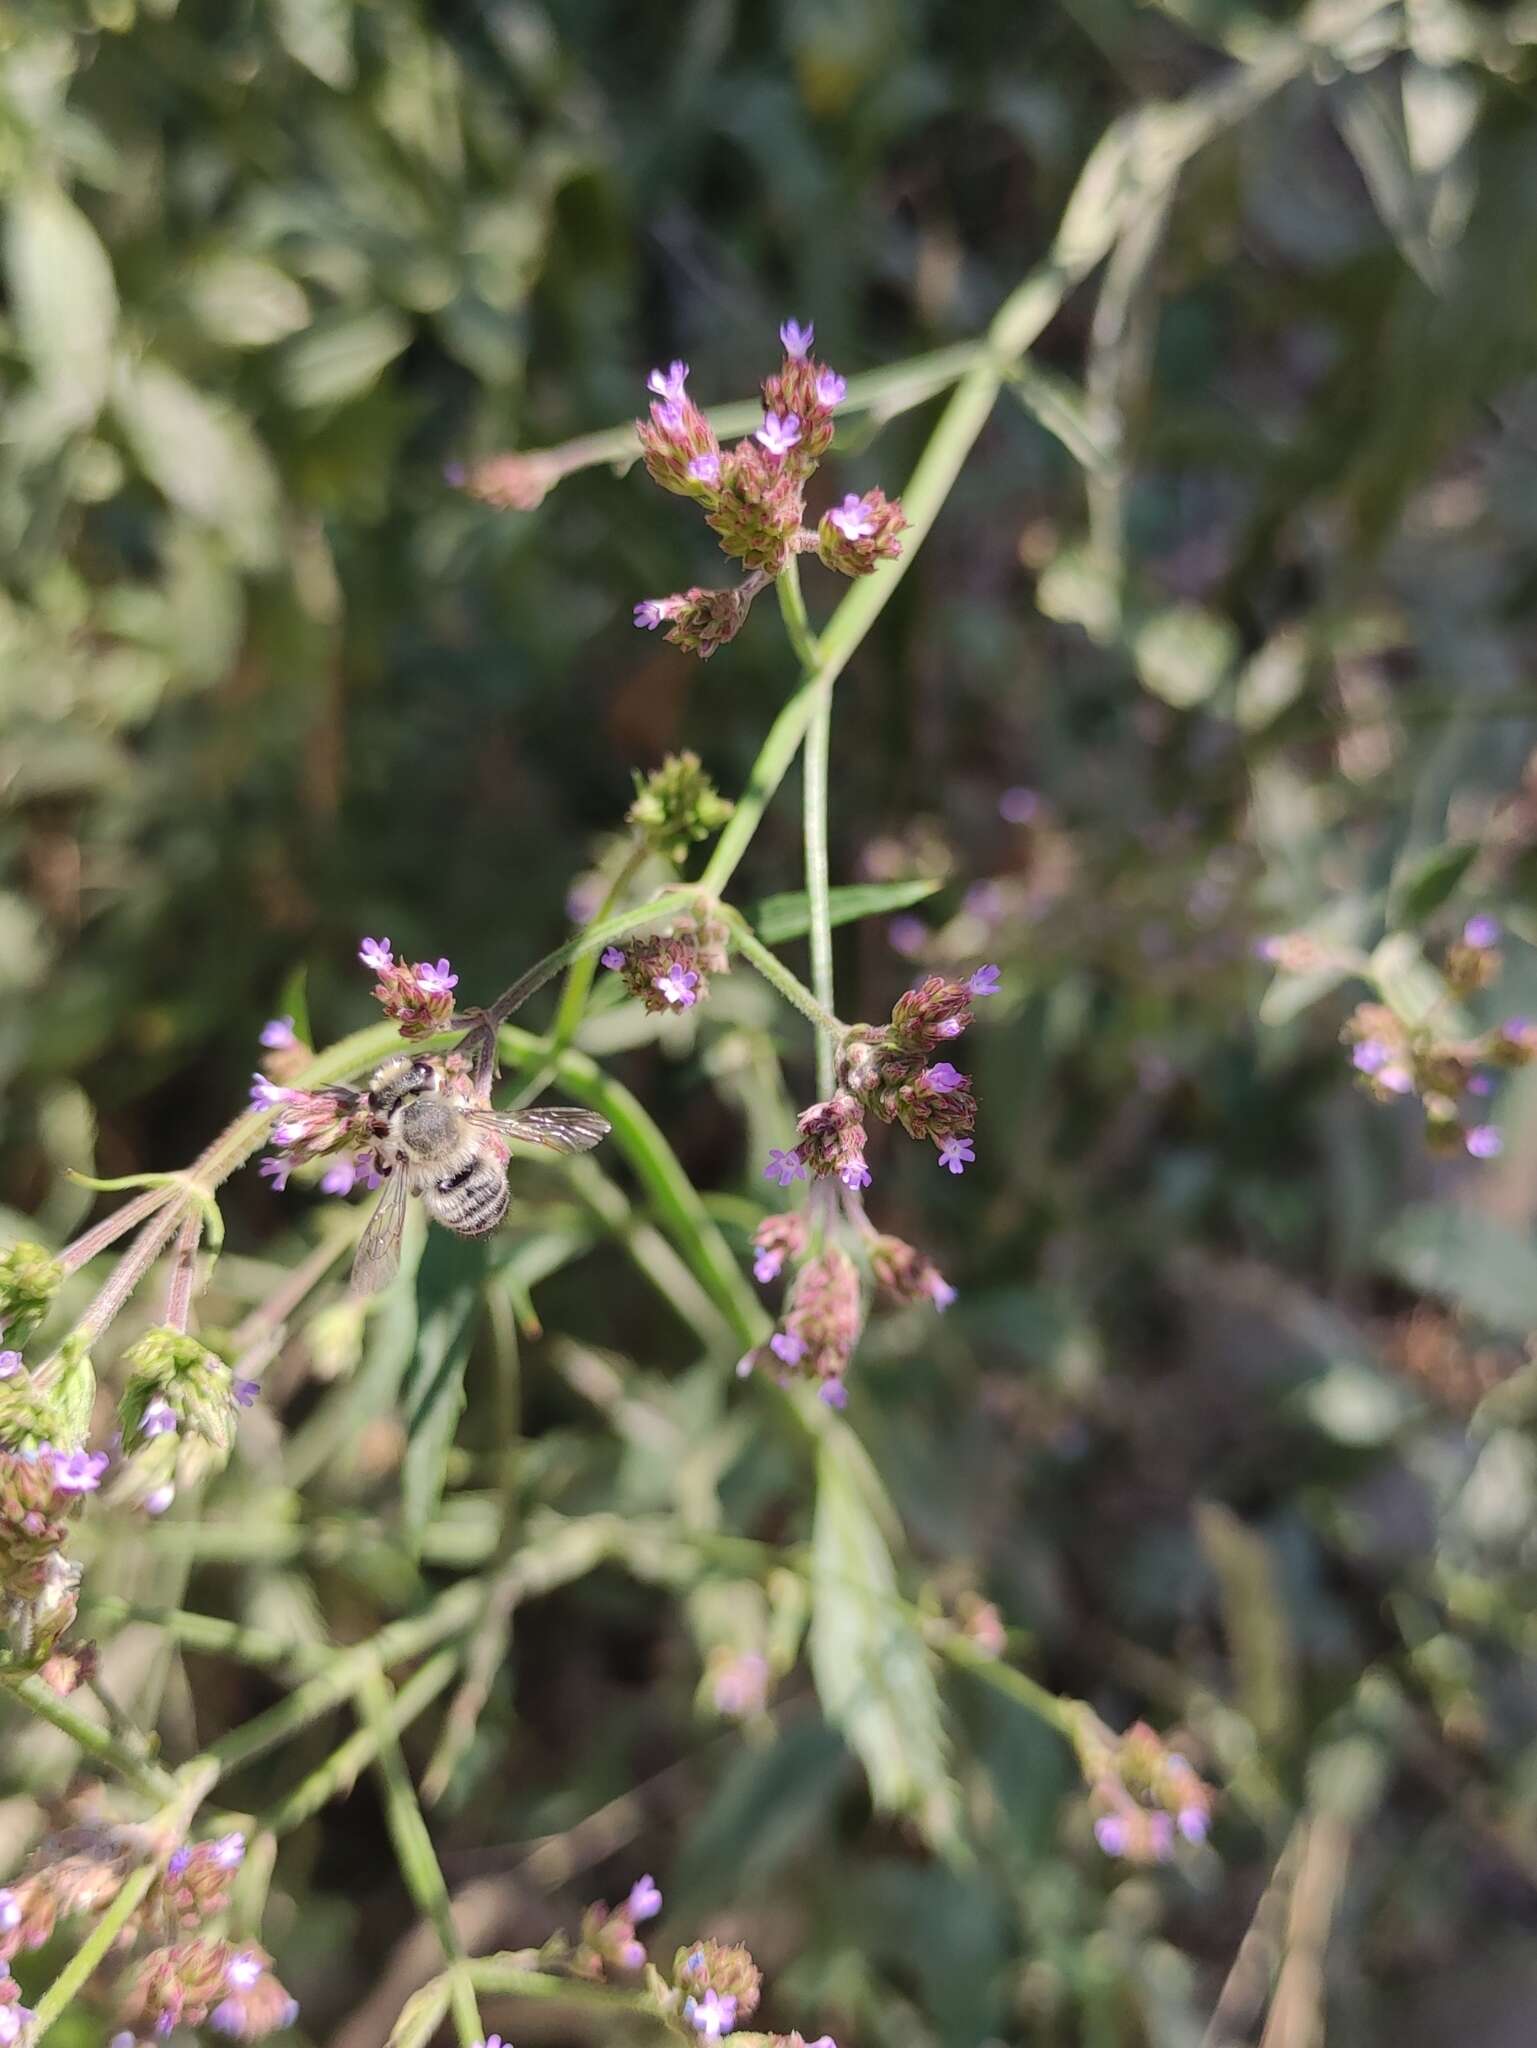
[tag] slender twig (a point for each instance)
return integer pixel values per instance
(744, 940)
(178, 1298)
(346, 1763)
(93, 1950)
(91, 1739)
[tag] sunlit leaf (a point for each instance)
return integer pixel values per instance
(778, 918)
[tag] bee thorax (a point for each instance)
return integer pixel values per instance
(429, 1130)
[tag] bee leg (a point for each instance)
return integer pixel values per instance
(479, 1043)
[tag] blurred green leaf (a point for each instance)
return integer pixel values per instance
(449, 1285)
(1185, 654)
(342, 356)
(63, 302)
(1468, 1258)
(779, 918)
(1422, 886)
(203, 456)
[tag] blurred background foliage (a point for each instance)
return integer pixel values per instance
(1234, 1418)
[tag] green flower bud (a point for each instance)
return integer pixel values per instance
(677, 806)
(58, 1413)
(197, 1387)
(30, 1277)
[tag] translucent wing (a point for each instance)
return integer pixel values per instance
(561, 1130)
(378, 1253)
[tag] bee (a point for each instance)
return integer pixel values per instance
(451, 1153)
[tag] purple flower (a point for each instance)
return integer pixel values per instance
(711, 2015)
(854, 1175)
(649, 614)
(705, 469)
(779, 432)
(831, 388)
(277, 1171)
(983, 983)
(852, 518)
(229, 1851)
(944, 1077)
(10, 1912)
(10, 1364)
(908, 935)
(78, 1471)
(787, 1347)
(14, 2021)
(375, 953)
(434, 979)
(339, 1177)
(177, 1863)
(278, 1035)
(158, 1419)
(797, 339)
(668, 384)
(1396, 1079)
(1111, 1834)
(1515, 1029)
(267, 1094)
(245, 1393)
(678, 987)
(941, 1293)
(491, 2041)
(834, 1393)
(949, 1027)
(1017, 806)
(822, 2041)
(1370, 1056)
(1481, 932)
(612, 958)
(244, 1972)
(766, 1266)
(159, 1500)
(784, 1167)
(644, 1902)
(1484, 1142)
(1480, 1084)
(1192, 1823)
(956, 1154)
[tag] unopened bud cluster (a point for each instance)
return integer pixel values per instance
(30, 1278)
(753, 496)
(178, 1414)
(671, 971)
(1145, 1796)
(677, 806)
(609, 1941)
(45, 1472)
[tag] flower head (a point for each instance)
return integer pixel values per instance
(705, 469)
(678, 986)
(1481, 932)
(649, 613)
(10, 1364)
(278, 1035)
(158, 1419)
(944, 1077)
(376, 953)
(711, 2016)
(768, 1261)
(831, 388)
(668, 384)
(983, 983)
(956, 1154)
(267, 1094)
(245, 1393)
(853, 518)
(797, 339)
(1484, 1142)
(434, 979)
(78, 1471)
(644, 1901)
(277, 1171)
(779, 432)
(787, 1347)
(612, 958)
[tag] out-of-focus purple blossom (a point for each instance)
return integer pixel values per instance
(1193, 1823)
(78, 1471)
(10, 1364)
(338, 1177)
(668, 384)
(434, 977)
(679, 987)
(711, 2016)
(1160, 1829)
(784, 1167)
(853, 518)
(949, 1027)
(649, 614)
(983, 983)
(768, 1263)
(705, 469)
(908, 935)
(377, 954)
(944, 1077)
(1481, 932)
(10, 1912)
(831, 388)
(158, 1419)
(941, 1293)
(159, 1499)
(787, 1347)
(779, 432)
(1480, 1084)
(739, 1684)
(278, 1035)
(956, 1154)
(854, 1174)
(245, 1393)
(277, 1171)
(612, 957)
(797, 340)
(834, 1393)
(644, 1901)
(1396, 1079)
(1111, 1834)
(1018, 806)
(1484, 1142)
(1370, 1056)
(267, 1094)
(984, 900)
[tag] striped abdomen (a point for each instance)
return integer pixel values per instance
(471, 1199)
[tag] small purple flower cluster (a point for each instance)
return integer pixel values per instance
(608, 1938)
(753, 495)
(719, 1983)
(822, 1319)
(15, 2018)
(227, 1985)
(1145, 1795)
(41, 1488)
(177, 1417)
(670, 973)
(891, 1069)
(420, 998)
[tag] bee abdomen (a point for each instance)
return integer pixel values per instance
(471, 1200)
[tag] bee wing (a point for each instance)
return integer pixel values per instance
(561, 1130)
(378, 1253)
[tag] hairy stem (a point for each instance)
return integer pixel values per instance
(93, 1950)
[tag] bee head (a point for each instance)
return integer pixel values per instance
(399, 1080)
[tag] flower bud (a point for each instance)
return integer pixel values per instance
(170, 1372)
(854, 536)
(699, 621)
(677, 806)
(30, 1277)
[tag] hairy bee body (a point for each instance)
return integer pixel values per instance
(451, 1153)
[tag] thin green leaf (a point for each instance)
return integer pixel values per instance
(448, 1294)
(778, 918)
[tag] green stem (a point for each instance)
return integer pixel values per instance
(56, 2000)
(818, 882)
(745, 940)
(573, 997)
(346, 1763)
(94, 1741)
(417, 1858)
(510, 1976)
(792, 609)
